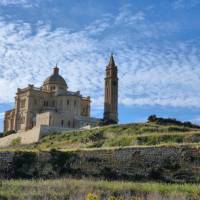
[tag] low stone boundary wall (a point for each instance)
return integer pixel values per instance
(26, 137)
(31, 136)
(167, 164)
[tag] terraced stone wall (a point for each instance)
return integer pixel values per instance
(167, 164)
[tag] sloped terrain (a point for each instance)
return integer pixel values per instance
(138, 134)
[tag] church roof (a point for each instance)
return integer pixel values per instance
(55, 78)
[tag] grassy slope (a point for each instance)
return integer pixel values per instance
(119, 136)
(65, 188)
(109, 136)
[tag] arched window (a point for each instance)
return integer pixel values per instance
(62, 123)
(46, 103)
(69, 123)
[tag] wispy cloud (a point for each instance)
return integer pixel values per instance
(127, 17)
(167, 74)
(24, 3)
(179, 4)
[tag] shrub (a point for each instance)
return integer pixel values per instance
(9, 133)
(170, 121)
(152, 118)
(25, 165)
(16, 141)
(62, 161)
(91, 196)
(94, 137)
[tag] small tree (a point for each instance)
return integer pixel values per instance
(152, 118)
(8, 133)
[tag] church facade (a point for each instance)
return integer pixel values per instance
(54, 105)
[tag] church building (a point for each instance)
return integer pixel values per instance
(54, 105)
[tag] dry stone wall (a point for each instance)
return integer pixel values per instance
(167, 164)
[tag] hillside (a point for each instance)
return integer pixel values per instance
(81, 165)
(138, 134)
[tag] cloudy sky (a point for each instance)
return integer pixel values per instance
(156, 45)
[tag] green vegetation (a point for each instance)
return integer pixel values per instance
(6, 133)
(170, 121)
(119, 136)
(31, 161)
(1, 134)
(157, 131)
(94, 190)
(16, 142)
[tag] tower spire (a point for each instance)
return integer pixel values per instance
(112, 61)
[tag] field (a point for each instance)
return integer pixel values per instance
(63, 189)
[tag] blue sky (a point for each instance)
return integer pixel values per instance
(156, 46)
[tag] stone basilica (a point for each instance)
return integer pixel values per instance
(54, 106)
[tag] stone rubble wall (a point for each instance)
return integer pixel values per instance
(168, 164)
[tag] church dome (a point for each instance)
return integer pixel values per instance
(55, 78)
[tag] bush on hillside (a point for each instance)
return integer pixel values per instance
(3, 134)
(152, 118)
(170, 121)
(7, 133)
(16, 142)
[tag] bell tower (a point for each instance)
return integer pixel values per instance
(111, 93)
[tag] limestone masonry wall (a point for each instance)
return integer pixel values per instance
(31, 136)
(168, 164)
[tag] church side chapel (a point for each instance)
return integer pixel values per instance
(54, 105)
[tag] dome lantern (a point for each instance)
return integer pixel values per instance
(55, 82)
(56, 70)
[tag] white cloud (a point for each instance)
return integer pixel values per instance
(148, 74)
(127, 17)
(179, 4)
(24, 3)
